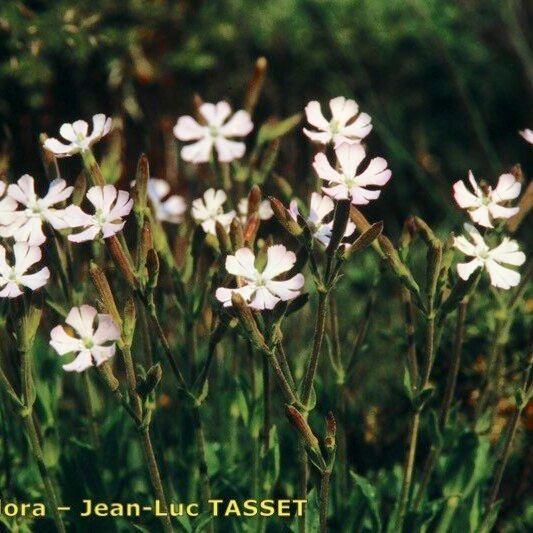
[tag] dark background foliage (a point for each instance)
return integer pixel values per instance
(448, 85)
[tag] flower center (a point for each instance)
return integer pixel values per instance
(12, 276)
(100, 217)
(214, 131)
(350, 181)
(334, 126)
(88, 343)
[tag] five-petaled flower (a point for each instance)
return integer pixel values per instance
(345, 126)
(208, 210)
(26, 224)
(166, 208)
(78, 137)
(259, 289)
(319, 209)
(527, 134)
(110, 207)
(12, 278)
(484, 202)
(95, 344)
(264, 210)
(507, 253)
(215, 132)
(346, 183)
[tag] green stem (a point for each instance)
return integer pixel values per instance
(323, 500)
(303, 474)
(93, 427)
(309, 377)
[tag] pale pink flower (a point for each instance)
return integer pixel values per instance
(491, 260)
(264, 211)
(320, 208)
(483, 204)
(259, 289)
(78, 137)
(527, 134)
(215, 133)
(110, 207)
(166, 208)
(14, 278)
(345, 125)
(27, 224)
(209, 210)
(95, 343)
(8, 208)
(347, 183)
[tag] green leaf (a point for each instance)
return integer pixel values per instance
(274, 130)
(369, 494)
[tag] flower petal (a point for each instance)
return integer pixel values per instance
(239, 125)
(242, 263)
(188, 129)
(279, 260)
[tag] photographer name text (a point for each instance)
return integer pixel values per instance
(216, 507)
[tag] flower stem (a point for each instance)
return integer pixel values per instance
(323, 500)
(303, 474)
(310, 373)
(93, 428)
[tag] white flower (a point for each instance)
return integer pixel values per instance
(319, 209)
(259, 289)
(343, 127)
(94, 345)
(527, 134)
(170, 209)
(214, 133)
(264, 211)
(484, 204)
(110, 207)
(507, 252)
(347, 184)
(77, 136)
(27, 224)
(12, 278)
(8, 207)
(208, 210)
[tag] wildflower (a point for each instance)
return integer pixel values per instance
(347, 184)
(166, 208)
(259, 289)
(12, 278)
(483, 203)
(345, 126)
(95, 344)
(27, 224)
(319, 209)
(77, 135)
(110, 207)
(264, 211)
(527, 134)
(507, 253)
(8, 207)
(208, 210)
(214, 133)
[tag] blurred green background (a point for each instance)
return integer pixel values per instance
(448, 83)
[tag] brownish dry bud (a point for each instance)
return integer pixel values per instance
(103, 288)
(236, 234)
(302, 426)
(331, 431)
(256, 84)
(284, 217)
(224, 240)
(121, 260)
(152, 266)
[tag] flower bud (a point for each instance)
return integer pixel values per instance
(140, 190)
(130, 318)
(248, 323)
(224, 240)
(104, 292)
(29, 324)
(365, 239)
(145, 243)
(340, 220)
(121, 260)
(152, 266)
(251, 229)
(302, 426)
(236, 234)
(147, 385)
(80, 188)
(331, 430)
(256, 84)
(284, 217)
(254, 199)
